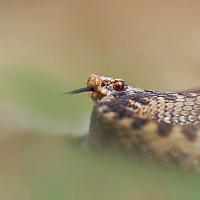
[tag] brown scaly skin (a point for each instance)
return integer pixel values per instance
(160, 124)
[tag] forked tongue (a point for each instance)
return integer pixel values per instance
(80, 90)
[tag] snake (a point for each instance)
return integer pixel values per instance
(161, 125)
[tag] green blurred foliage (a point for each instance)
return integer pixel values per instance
(53, 167)
(41, 92)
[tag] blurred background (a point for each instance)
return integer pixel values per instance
(49, 47)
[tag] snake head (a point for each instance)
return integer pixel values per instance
(99, 86)
(103, 86)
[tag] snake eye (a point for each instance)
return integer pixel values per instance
(118, 86)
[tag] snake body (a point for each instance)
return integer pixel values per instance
(162, 125)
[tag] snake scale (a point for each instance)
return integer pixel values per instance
(162, 125)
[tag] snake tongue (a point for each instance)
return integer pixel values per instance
(77, 91)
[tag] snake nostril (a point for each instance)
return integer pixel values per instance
(103, 84)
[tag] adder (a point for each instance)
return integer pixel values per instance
(162, 125)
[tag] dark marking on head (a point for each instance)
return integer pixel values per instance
(190, 131)
(164, 129)
(140, 97)
(139, 123)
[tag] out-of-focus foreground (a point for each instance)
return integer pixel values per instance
(49, 47)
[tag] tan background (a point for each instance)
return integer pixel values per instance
(154, 45)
